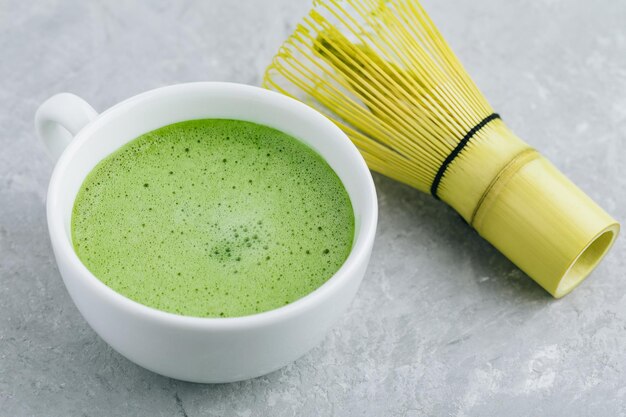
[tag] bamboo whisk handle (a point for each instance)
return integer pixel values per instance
(525, 207)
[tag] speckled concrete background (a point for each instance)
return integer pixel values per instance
(443, 324)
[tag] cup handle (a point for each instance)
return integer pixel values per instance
(59, 119)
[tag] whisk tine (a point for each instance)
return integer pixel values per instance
(419, 80)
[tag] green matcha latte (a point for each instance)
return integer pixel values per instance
(213, 218)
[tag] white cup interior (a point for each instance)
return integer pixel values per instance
(157, 108)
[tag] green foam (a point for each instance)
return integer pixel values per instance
(213, 218)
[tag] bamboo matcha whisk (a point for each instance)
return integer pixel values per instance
(384, 74)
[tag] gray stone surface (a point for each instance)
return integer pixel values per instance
(442, 325)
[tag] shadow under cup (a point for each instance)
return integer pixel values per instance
(209, 349)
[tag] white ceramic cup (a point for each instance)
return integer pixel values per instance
(191, 348)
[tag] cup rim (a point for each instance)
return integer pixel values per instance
(358, 254)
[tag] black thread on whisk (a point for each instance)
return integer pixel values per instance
(457, 150)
